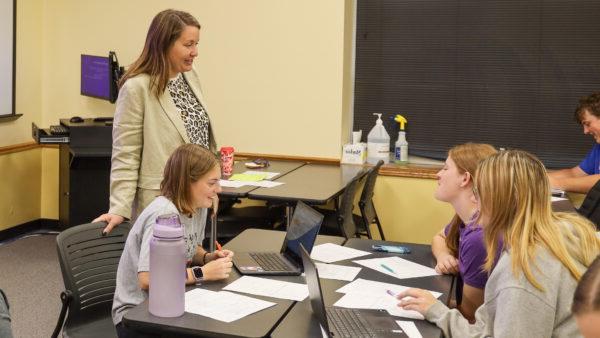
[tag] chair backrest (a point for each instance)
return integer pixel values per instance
(89, 263)
(366, 198)
(345, 215)
(590, 206)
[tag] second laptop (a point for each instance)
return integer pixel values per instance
(303, 229)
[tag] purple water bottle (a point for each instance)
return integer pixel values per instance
(167, 267)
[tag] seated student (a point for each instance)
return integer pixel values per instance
(190, 183)
(459, 247)
(530, 288)
(583, 177)
(586, 302)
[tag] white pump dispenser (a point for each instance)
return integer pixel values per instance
(378, 143)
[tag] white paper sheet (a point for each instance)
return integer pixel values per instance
(371, 287)
(376, 302)
(397, 267)
(556, 199)
(409, 328)
(270, 175)
(339, 272)
(269, 287)
(265, 184)
(330, 253)
(224, 306)
(232, 184)
(368, 294)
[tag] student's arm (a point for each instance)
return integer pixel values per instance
(446, 262)
(472, 299)
(520, 313)
(573, 179)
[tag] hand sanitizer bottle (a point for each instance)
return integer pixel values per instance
(378, 143)
(401, 148)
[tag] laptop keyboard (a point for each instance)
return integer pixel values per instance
(270, 261)
(348, 323)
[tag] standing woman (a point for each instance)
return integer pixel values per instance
(459, 247)
(530, 289)
(160, 107)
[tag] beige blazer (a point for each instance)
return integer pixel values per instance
(146, 130)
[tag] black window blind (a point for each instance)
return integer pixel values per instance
(509, 73)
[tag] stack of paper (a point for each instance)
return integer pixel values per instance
(368, 294)
(222, 305)
(340, 272)
(251, 178)
(330, 253)
(269, 288)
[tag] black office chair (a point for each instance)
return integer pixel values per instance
(341, 221)
(368, 214)
(590, 206)
(89, 263)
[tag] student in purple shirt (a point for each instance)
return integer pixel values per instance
(582, 178)
(459, 248)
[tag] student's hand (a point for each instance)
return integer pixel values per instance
(218, 254)
(112, 220)
(447, 264)
(218, 269)
(416, 299)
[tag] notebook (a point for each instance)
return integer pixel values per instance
(343, 322)
(303, 229)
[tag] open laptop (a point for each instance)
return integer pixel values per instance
(343, 322)
(303, 229)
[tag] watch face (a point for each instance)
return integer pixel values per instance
(198, 272)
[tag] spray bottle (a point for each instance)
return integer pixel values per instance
(401, 148)
(378, 143)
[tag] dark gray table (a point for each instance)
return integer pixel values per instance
(259, 324)
(300, 323)
(281, 167)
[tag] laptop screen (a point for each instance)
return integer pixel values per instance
(314, 290)
(303, 229)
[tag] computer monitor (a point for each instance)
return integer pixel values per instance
(99, 76)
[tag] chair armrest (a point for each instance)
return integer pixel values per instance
(65, 297)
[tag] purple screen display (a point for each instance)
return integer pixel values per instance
(95, 79)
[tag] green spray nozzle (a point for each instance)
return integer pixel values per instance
(400, 119)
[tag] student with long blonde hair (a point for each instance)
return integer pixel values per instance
(530, 288)
(459, 247)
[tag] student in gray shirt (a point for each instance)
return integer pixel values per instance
(530, 288)
(586, 301)
(189, 187)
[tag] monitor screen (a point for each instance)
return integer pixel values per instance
(96, 76)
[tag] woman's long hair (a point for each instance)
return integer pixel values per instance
(186, 165)
(165, 29)
(514, 195)
(466, 157)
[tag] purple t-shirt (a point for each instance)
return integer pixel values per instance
(591, 163)
(471, 253)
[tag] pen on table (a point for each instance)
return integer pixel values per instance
(387, 268)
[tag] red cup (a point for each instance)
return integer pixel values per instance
(226, 161)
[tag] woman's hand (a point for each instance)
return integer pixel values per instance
(220, 268)
(218, 254)
(447, 265)
(112, 220)
(416, 299)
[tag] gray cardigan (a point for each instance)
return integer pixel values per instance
(515, 308)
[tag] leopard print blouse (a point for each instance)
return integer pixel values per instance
(193, 114)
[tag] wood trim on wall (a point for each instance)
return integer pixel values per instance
(409, 170)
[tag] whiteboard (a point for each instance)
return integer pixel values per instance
(7, 54)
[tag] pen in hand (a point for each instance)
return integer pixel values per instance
(219, 247)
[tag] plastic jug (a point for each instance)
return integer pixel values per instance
(167, 268)
(378, 143)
